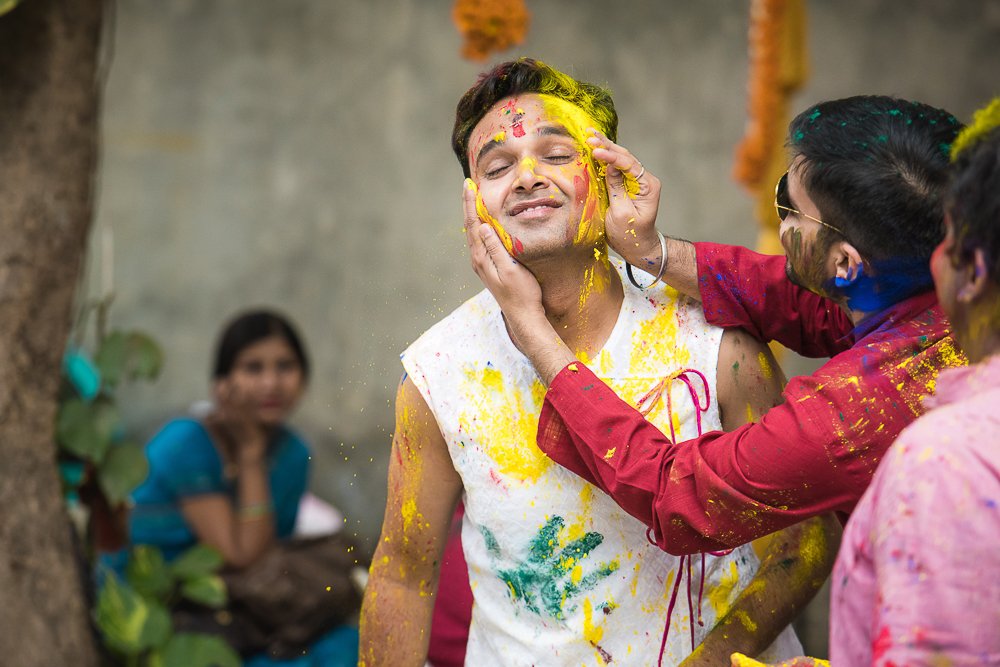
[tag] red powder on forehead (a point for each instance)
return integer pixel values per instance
(581, 184)
(518, 129)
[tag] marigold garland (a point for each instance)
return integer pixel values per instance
(490, 26)
(753, 152)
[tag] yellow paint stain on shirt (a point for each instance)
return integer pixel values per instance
(655, 345)
(719, 596)
(505, 421)
(609, 454)
(604, 363)
(577, 528)
(592, 632)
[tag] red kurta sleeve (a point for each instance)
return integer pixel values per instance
(713, 492)
(742, 288)
(814, 453)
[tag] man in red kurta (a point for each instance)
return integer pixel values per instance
(861, 213)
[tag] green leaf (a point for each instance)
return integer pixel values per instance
(111, 357)
(145, 358)
(197, 561)
(147, 572)
(188, 649)
(85, 429)
(130, 623)
(123, 469)
(128, 355)
(209, 590)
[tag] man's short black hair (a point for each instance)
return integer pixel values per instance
(877, 168)
(523, 76)
(973, 203)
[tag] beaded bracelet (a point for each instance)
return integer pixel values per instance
(659, 274)
(255, 511)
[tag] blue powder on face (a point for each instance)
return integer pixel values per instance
(892, 281)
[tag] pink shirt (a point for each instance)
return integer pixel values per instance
(917, 580)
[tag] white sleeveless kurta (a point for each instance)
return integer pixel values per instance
(560, 574)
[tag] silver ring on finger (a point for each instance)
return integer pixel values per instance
(641, 172)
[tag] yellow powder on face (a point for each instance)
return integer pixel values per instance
(576, 121)
(485, 216)
(500, 137)
(505, 421)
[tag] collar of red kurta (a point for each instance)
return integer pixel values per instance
(893, 316)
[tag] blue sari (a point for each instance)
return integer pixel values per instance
(184, 463)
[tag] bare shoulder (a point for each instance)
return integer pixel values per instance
(749, 380)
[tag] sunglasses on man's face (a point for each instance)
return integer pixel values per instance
(782, 204)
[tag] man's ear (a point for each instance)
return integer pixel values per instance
(848, 263)
(975, 278)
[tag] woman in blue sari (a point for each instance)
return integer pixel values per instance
(233, 480)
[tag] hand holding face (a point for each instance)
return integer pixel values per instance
(511, 284)
(633, 200)
(234, 420)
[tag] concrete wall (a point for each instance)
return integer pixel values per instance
(296, 154)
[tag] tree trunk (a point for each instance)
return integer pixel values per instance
(49, 96)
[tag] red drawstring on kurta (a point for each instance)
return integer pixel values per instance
(645, 406)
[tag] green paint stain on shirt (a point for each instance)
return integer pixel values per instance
(544, 582)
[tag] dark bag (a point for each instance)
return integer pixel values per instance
(294, 593)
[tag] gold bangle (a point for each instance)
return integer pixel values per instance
(255, 511)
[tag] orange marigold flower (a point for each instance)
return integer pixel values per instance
(489, 26)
